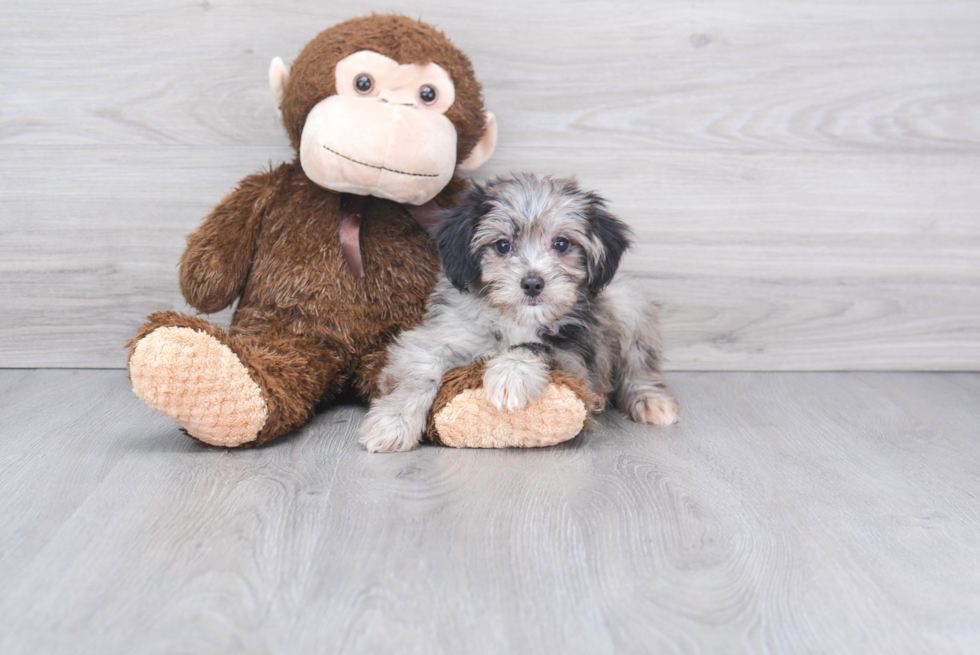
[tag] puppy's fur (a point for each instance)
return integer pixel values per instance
(528, 265)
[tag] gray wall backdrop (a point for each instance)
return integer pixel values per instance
(804, 177)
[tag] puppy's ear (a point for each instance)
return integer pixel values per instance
(454, 236)
(612, 238)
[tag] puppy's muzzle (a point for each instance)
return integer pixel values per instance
(532, 285)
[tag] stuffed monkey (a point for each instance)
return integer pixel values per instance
(328, 255)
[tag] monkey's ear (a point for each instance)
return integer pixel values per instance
(611, 238)
(278, 77)
(454, 236)
(481, 153)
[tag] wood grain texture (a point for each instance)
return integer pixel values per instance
(802, 176)
(827, 76)
(822, 282)
(787, 513)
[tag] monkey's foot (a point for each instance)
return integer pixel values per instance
(464, 417)
(198, 381)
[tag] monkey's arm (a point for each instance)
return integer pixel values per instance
(215, 264)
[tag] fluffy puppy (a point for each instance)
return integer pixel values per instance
(529, 267)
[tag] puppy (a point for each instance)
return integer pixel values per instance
(528, 266)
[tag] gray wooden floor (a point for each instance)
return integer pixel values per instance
(788, 513)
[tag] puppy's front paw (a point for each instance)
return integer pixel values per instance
(512, 381)
(654, 406)
(386, 430)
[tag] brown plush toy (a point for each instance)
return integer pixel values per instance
(328, 256)
(463, 417)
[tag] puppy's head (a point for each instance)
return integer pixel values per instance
(531, 246)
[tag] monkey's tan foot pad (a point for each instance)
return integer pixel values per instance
(199, 382)
(470, 421)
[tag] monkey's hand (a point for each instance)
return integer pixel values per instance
(214, 267)
(516, 377)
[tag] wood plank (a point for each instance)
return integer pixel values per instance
(764, 261)
(181, 511)
(63, 432)
(775, 75)
(787, 513)
(802, 176)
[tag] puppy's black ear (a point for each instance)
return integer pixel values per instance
(613, 238)
(455, 234)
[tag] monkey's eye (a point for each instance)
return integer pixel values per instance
(503, 246)
(560, 244)
(427, 94)
(363, 83)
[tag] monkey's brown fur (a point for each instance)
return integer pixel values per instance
(305, 328)
(406, 41)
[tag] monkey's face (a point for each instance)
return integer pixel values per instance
(385, 132)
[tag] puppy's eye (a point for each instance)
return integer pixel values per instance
(427, 94)
(363, 83)
(503, 246)
(560, 244)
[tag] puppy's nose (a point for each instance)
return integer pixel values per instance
(532, 285)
